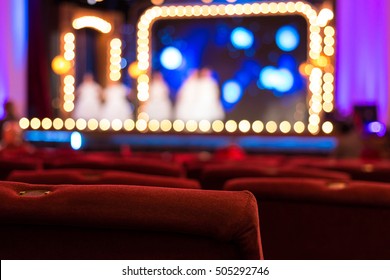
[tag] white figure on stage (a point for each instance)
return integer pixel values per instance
(208, 104)
(116, 103)
(159, 106)
(186, 97)
(88, 99)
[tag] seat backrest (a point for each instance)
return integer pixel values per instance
(124, 222)
(7, 165)
(321, 219)
(138, 165)
(95, 177)
(214, 177)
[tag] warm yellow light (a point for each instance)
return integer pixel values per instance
(231, 126)
(244, 126)
(104, 124)
(116, 125)
(60, 65)
(217, 126)
(69, 80)
(129, 125)
(81, 124)
(154, 125)
(70, 124)
(157, 2)
(257, 126)
(327, 127)
(329, 31)
(141, 125)
(166, 125)
(134, 70)
(328, 78)
(313, 129)
(116, 43)
(58, 123)
(92, 22)
(271, 126)
(324, 16)
(204, 125)
(69, 37)
(46, 123)
(327, 107)
(191, 125)
(115, 76)
(178, 125)
(92, 124)
(299, 127)
(24, 123)
(68, 106)
(285, 127)
(35, 123)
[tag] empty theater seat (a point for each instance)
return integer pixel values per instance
(7, 165)
(215, 176)
(138, 165)
(320, 219)
(124, 222)
(90, 176)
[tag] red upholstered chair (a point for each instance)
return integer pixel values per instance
(321, 219)
(138, 165)
(214, 177)
(377, 171)
(7, 165)
(90, 176)
(125, 222)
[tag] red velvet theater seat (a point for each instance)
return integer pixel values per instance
(320, 219)
(124, 222)
(92, 177)
(138, 165)
(377, 171)
(214, 177)
(10, 164)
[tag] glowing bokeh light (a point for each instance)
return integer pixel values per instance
(287, 38)
(242, 38)
(171, 58)
(272, 78)
(76, 140)
(231, 92)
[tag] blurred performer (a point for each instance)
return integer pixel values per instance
(208, 104)
(158, 106)
(186, 96)
(88, 99)
(116, 103)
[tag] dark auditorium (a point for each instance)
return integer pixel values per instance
(110, 150)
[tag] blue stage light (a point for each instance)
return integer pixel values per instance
(269, 77)
(76, 140)
(231, 92)
(281, 80)
(242, 38)
(377, 128)
(171, 58)
(287, 38)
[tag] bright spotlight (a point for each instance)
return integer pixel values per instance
(242, 38)
(171, 58)
(287, 38)
(231, 92)
(285, 80)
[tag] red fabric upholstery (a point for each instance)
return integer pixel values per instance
(124, 222)
(377, 171)
(89, 176)
(214, 177)
(9, 164)
(138, 165)
(318, 219)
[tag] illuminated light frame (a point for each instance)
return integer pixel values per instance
(320, 53)
(67, 43)
(92, 22)
(321, 75)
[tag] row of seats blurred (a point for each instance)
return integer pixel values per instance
(61, 204)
